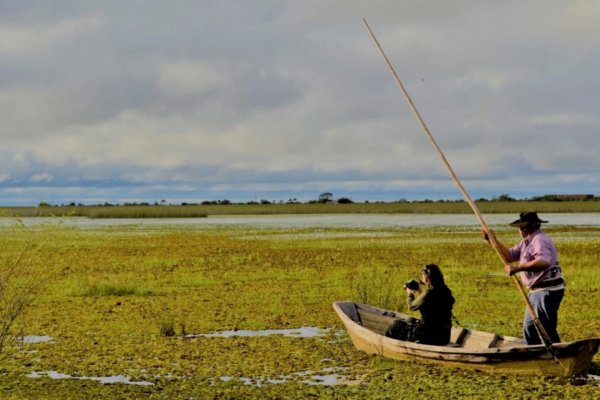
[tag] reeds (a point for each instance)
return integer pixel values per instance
(21, 277)
(203, 210)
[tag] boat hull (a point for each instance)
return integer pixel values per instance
(469, 349)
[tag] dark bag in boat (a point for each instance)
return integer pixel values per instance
(408, 330)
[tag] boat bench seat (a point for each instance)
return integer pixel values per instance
(457, 337)
(481, 340)
(463, 337)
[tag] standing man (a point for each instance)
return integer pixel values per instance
(536, 258)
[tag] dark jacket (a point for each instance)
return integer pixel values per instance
(435, 306)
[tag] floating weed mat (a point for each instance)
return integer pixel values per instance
(222, 280)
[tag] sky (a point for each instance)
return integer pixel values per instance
(189, 101)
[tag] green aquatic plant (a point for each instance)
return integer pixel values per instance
(112, 289)
(166, 327)
(103, 320)
(379, 286)
(203, 210)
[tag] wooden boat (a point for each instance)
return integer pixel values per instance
(366, 326)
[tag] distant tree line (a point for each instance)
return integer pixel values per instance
(327, 197)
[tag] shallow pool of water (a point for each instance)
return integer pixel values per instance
(302, 332)
(102, 379)
(33, 339)
(330, 376)
(365, 221)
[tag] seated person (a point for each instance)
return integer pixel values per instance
(435, 305)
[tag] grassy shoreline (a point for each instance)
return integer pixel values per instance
(199, 211)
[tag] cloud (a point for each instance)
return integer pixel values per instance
(239, 99)
(563, 120)
(17, 40)
(184, 78)
(42, 177)
(581, 17)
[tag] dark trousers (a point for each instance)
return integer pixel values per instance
(404, 330)
(545, 303)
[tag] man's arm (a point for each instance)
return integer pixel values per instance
(534, 265)
(501, 247)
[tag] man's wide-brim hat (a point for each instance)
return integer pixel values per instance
(526, 219)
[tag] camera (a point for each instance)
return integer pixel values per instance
(412, 285)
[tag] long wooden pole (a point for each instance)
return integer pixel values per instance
(543, 334)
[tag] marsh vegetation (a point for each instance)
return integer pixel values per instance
(227, 208)
(128, 310)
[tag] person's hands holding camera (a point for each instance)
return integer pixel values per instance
(412, 287)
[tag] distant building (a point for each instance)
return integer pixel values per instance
(575, 196)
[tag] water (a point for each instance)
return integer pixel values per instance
(33, 339)
(296, 221)
(303, 332)
(326, 377)
(330, 376)
(594, 379)
(102, 379)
